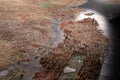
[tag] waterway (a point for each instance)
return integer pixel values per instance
(109, 11)
(33, 65)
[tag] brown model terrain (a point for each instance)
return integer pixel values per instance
(83, 37)
(114, 1)
(25, 26)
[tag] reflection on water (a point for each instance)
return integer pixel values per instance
(103, 7)
(106, 9)
(102, 22)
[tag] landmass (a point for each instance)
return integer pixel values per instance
(45, 32)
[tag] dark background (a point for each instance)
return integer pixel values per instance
(115, 24)
(112, 13)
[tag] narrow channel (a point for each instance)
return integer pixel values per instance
(33, 65)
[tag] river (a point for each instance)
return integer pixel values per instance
(109, 11)
(34, 66)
